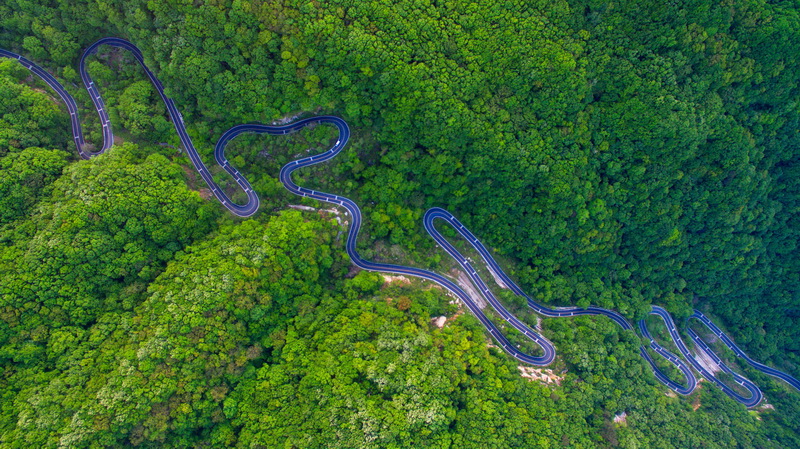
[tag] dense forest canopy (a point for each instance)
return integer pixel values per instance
(613, 153)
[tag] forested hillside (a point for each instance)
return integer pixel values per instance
(620, 154)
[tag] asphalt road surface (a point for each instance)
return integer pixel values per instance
(548, 351)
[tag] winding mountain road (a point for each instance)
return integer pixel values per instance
(252, 204)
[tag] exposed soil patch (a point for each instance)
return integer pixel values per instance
(766, 406)
(466, 285)
(545, 376)
(305, 208)
(287, 119)
(439, 321)
(323, 212)
(389, 279)
(497, 278)
(708, 363)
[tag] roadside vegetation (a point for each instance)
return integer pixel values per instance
(615, 154)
